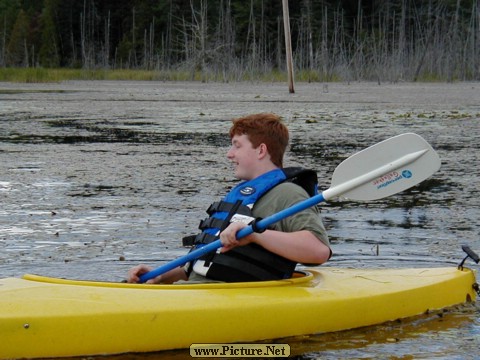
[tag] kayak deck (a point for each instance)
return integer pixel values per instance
(49, 317)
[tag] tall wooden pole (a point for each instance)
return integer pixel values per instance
(288, 46)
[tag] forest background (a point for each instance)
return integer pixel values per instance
(234, 40)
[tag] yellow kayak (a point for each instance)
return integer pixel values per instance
(49, 317)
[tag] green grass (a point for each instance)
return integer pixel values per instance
(44, 75)
(48, 75)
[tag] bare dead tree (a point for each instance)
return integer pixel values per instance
(133, 51)
(324, 43)
(476, 50)
(199, 33)
(83, 46)
(4, 41)
(308, 6)
(288, 46)
(87, 32)
(251, 34)
(106, 52)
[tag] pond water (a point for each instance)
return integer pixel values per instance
(98, 176)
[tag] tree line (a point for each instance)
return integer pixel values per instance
(226, 39)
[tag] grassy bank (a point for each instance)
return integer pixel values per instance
(41, 75)
(44, 75)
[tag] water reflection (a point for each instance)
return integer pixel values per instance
(403, 339)
(111, 132)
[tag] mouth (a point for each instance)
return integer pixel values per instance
(235, 166)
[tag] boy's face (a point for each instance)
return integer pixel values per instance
(244, 157)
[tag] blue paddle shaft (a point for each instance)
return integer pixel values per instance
(261, 225)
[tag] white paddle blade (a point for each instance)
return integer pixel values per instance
(384, 169)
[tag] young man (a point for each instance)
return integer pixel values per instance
(258, 145)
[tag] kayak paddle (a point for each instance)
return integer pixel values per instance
(381, 170)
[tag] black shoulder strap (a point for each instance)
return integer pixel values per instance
(305, 178)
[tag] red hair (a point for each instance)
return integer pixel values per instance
(265, 129)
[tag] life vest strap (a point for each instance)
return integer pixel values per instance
(202, 238)
(223, 206)
(211, 222)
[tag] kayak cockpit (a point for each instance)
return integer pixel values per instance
(299, 278)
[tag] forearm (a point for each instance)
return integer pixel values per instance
(173, 275)
(300, 246)
(169, 277)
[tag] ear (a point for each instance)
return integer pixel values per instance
(262, 151)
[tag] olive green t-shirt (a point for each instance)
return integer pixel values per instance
(283, 196)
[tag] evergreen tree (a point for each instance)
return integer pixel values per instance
(8, 13)
(17, 48)
(49, 54)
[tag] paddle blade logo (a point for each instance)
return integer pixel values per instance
(391, 178)
(407, 174)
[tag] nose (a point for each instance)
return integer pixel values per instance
(230, 153)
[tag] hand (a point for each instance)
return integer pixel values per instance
(133, 276)
(228, 237)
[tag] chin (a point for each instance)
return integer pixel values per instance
(239, 176)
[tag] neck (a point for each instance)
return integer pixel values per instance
(267, 167)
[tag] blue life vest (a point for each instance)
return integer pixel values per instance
(250, 262)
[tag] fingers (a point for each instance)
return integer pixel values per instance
(228, 237)
(133, 275)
